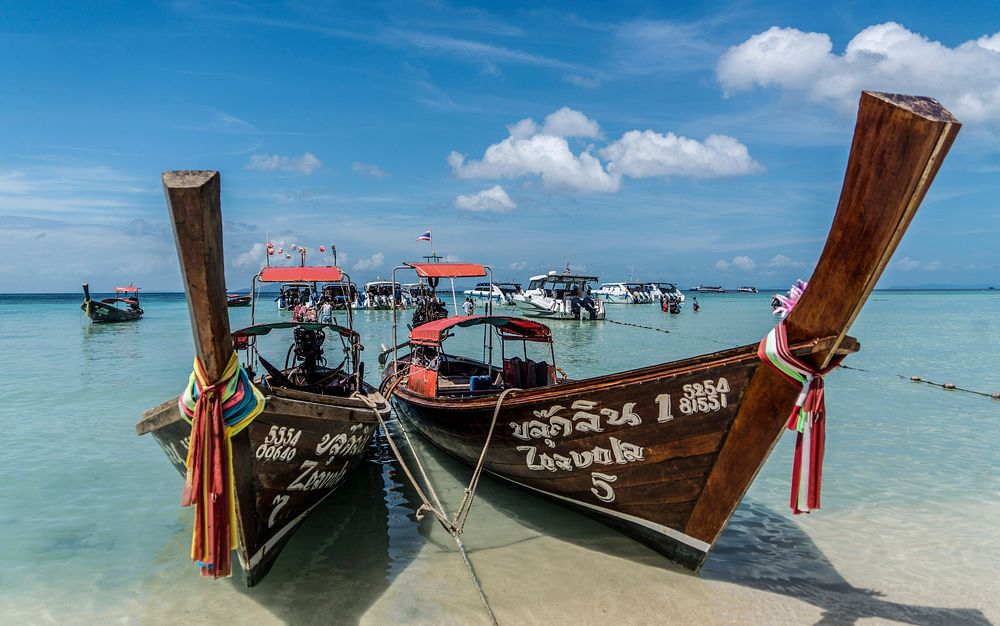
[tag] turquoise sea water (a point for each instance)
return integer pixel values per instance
(92, 530)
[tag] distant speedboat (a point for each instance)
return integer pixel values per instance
(561, 297)
(708, 289)
(124, 307)
(747, 290)
(501, 293)
(621, 293)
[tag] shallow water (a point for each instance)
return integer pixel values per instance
(93, 531)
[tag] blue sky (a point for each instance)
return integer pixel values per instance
(674, 141)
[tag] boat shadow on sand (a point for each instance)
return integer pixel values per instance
(340, 561)
(760, 549)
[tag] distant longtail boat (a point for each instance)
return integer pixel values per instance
(124, 307)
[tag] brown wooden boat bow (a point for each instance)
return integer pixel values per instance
(665, 453)
(317, 421)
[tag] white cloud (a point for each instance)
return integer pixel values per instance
(373, 262)
(583, 81)
(304, 164)
(907, 264)
(542, 155)
(492, 199)
(743, 263)
(252, 258)
(882, 57)
(567, 122)
(648, 153)
(781, 260)
(544, 151)
(517, 266)
(368, 168)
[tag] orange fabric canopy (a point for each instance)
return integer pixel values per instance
(308, 274)
(448, 270)
(433, 333)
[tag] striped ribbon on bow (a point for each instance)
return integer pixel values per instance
(216, 412)
(808, 417)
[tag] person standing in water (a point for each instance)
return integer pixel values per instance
(695, 306)
(469, 306)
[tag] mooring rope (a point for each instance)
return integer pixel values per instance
(456, 525)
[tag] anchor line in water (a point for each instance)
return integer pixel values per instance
(917, 379)
(456, 525)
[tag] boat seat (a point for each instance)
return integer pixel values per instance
(526, 374)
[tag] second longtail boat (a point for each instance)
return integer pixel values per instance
(665, 453)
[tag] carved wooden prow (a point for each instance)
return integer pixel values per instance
(899, 144)
(196, 212)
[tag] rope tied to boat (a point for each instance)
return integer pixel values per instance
(807, 418)
(216, 411)
(456, 525)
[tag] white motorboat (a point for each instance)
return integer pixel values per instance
(292, 294)
(382, 294)
(707, 289)
(560, 296)
(343, 295)
(622, 293)
(670, 290)
(501, 293)
(747, 290)
(413, 293)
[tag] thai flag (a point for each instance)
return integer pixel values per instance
(426, 236)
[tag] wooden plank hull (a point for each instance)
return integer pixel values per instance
(238, 301)
(288, 460)
(101, 313)
(633, 450)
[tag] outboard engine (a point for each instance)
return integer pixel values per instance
(585, 303)
(309, 352)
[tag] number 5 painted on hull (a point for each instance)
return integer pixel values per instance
(602, 489)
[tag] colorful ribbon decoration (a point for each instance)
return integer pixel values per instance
(216, 412)
(808, 417)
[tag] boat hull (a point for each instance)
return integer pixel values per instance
(633, 450)
(289, 459)
(239, 301)
(101, 313)
(561, 310)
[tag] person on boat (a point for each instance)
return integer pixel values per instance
(469, 306)
(309, 313)
(326, 312)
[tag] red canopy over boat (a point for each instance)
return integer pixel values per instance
(448, 270)
(308, 274)
(129, 289)
(433, 333)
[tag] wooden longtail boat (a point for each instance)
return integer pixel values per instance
(665, 453)
(124, 307)
(236, 300)
(317, 421)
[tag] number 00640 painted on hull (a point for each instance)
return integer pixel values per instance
(287, 461)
